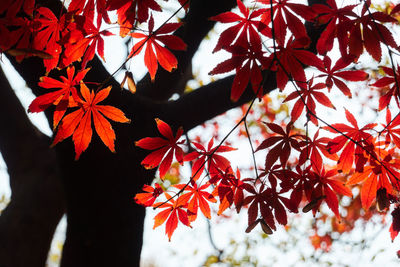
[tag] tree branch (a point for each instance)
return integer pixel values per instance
(26, 227)
(211, 100)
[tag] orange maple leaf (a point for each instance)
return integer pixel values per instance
(174, 211)
(382, 172)
(147, 199)
(199, 198)
(79, 123)
(352, 150)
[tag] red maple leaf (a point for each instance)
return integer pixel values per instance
(389, 85)
(162, 146)
(21, 34)
(174, 211)
(302, 183)
(335, 74)
(87, 8)
(306, 98)
(283, 8)
(48, 35)
(245, 61)
(79, 123)
(277, 173)
(77, 7)
(215, 162)
(197, 198)
(351, 152)
(257, 203)
(12, 7)
(85, 48)
(391, 129)
(101, 8)
(336, 18)
(130, 11)
(64, 97)
(229, 189)
(289, 60)
(328, 185)
(147, 199)
(382, 172)
(269, 203)
(154, 52)
(282, 144)
(247, 25)
(365, 31)
(312, 149)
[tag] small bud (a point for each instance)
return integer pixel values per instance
(252, 225)
(312, 204)
(267, 230)
(382, 201)
(131, 82)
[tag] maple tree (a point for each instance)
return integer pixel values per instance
(303, 49)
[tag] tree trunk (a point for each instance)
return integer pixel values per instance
(105, 225)
(28, 223)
